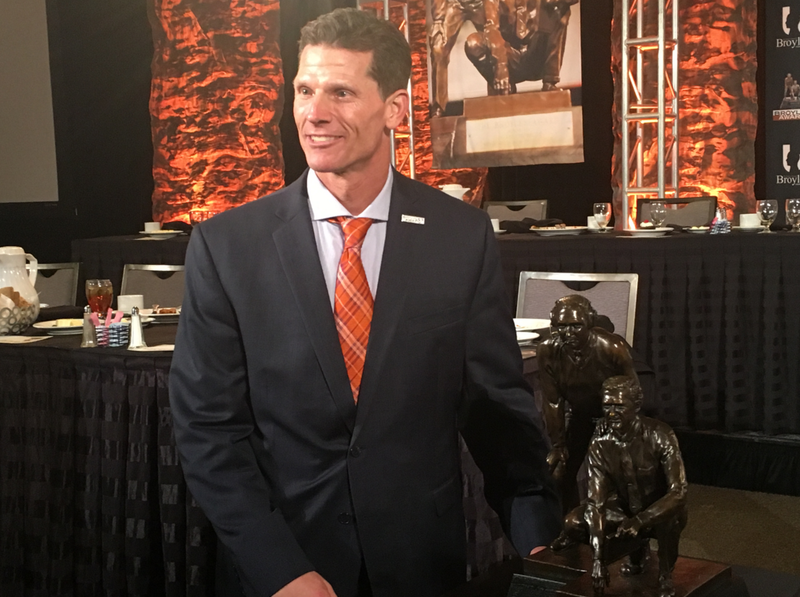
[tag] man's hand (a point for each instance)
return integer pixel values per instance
(557, 460)
(538, 548)
(310, 584)
(600, 577)
(630, 527)
(501, 84)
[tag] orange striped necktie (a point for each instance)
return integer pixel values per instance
(353, 300)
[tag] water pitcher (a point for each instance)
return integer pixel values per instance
(19, 302)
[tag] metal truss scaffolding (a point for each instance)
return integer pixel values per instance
(403, 137)
(649, 124)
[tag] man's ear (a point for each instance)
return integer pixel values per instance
(396, 108)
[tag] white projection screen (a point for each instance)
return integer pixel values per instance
(27, 137)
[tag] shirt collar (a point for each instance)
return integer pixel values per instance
(324, 205)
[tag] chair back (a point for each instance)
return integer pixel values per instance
(612, 295)
(683, 211)
(158, 284)
(57, 283)
(516, 210)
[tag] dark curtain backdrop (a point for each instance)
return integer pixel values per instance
(101, 52)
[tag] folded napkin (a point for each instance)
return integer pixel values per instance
(21, 339)
(60, 312)
(524, 225)
(156, 348)
(177, 225)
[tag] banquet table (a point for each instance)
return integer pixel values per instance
(714, 312)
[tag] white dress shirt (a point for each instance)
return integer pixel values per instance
(330, 237)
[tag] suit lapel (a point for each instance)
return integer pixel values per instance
(297, 250)
(399, 255)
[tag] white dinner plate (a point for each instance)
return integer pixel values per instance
(527, 325)
(749, 229)
(698, 229)
(647, 232)
(556, 231)
(51, 328)
(161, 233)
(161, 317)
(525, 337)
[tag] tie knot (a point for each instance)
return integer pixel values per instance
(355, 229)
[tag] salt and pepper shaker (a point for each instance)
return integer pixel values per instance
(720, 223)
(89, 331)
(137, 337)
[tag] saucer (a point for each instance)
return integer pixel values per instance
(647, 232)
(161, 233)
(557, 231)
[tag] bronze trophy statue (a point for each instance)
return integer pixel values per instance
(573, 364)
(637, 489)
(523, 40)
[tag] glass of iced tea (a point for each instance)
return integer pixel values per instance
(99, 293)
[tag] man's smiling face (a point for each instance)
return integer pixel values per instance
(340, 115)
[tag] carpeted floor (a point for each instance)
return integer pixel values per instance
(757, 533)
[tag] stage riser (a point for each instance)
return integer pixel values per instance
(757, 463)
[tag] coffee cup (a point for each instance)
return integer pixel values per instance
(126, 301)
(152, 226)
(591, 223)
(750, 221)
(495, 224)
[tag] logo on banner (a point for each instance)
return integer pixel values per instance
(790, 163)
(790, 23)
(790, 104)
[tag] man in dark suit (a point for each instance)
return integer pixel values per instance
(328, 467)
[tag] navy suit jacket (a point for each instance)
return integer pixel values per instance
(292, 474)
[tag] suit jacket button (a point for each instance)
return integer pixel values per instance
(345, 518)
(355, 451)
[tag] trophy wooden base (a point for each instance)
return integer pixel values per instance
(505, 130)
(568, 574)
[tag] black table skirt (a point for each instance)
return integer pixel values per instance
(718, 318)
(92, 496)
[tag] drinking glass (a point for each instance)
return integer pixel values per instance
(602, 214)
(658, 213)
(793, 214)
(767, 210)
(99, 293)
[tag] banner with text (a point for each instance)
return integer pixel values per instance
(783, 99)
